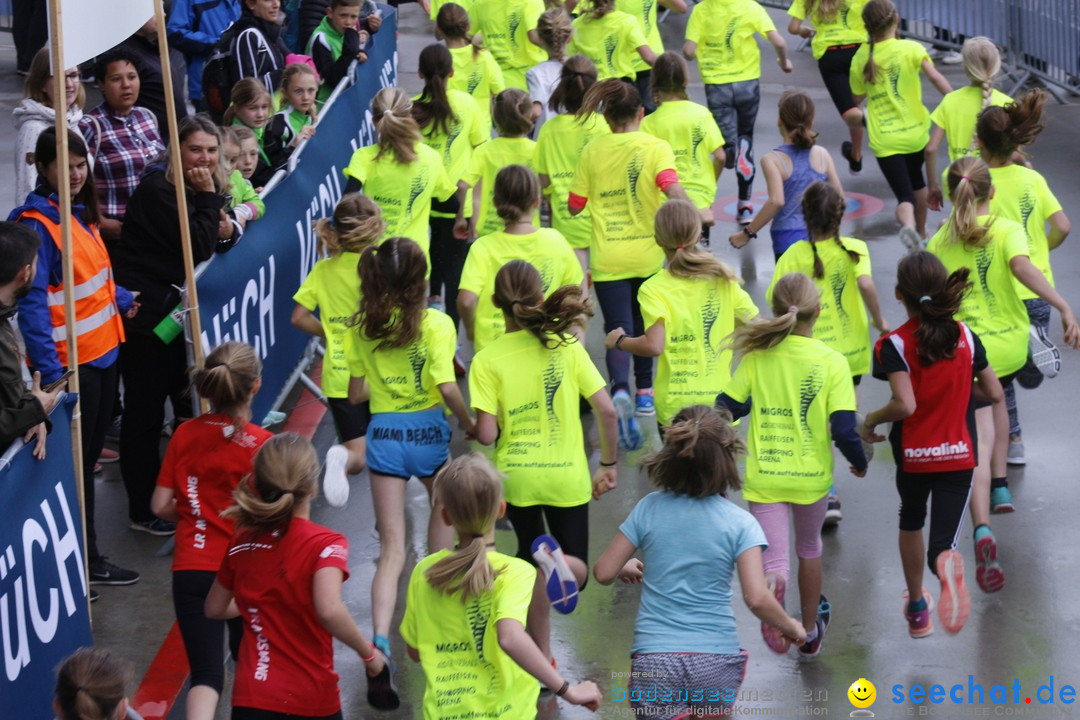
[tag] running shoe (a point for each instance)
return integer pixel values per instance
(94, 595)
(382, 693)
(629, 432)
(645, 402)
(833, 514)
(157, 526)
(920, 623)
(108, 456)
(774, 639)
(1016, 453)
(562, 587)
(854, 166)
(954, 606)
(1001, 500)
(745, 213)
(911, 239)
(744, 163)
(952, 58)
(103, 572)
(812, 648)
(335, 479)
(1044, 354)
(988, 573)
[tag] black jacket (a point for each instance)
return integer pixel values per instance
(149, 257)
(19, 409)
(258, 51)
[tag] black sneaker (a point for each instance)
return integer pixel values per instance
(1029, 377)
(833, 512)
(854, 166)
(94, 595)
(381, 692)
(103, 572)
(157, 526)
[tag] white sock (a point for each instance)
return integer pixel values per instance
(811, 635)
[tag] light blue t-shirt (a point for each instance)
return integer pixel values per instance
(689, 548)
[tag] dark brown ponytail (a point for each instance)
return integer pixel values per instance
(823, 209)
(519, 293)
(432, 110)
(934, 296)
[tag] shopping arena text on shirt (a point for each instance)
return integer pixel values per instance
(1053, 692)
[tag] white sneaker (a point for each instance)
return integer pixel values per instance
(335, 481)
(911, 239)
(952, 58)
(1044, 354)
(1016, 453)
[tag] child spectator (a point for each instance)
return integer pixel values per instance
(245, 202)
(336, 42)
(249, 107)
(295, 122)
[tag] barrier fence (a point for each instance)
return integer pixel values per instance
(43, 590)
(246, 294)
(1040, 38)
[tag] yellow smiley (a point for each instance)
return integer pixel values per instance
(862, 693)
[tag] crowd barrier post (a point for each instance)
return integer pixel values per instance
(44, 594)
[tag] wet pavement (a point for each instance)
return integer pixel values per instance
(1028, 632)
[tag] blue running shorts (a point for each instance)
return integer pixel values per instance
(408, 444)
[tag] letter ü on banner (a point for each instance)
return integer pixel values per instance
(90, 27)
(43, 612)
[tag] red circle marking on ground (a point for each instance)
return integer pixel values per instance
(859, 205)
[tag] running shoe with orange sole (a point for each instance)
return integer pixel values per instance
(954, 603)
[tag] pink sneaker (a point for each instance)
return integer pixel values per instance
(919, 622)
(955, 603)
(988, 573)
(775, 639)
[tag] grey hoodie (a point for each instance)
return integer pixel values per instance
(31, 117)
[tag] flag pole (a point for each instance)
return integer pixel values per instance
(63, 192)
(192, 314)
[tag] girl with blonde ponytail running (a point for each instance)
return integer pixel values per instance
(956, 114)
(450, 591)
(798, 394)
(995, 251)
(689, 307)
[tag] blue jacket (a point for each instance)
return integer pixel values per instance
(35, 322)
(194, 28)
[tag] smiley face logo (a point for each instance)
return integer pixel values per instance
(862, 694)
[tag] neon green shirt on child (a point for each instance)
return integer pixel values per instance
(333, 287)
(794, 389)
(896, 118)
(724, 32)
(467, 673)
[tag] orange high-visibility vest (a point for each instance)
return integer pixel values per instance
(98, 325)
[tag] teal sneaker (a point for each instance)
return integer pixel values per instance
(1001, 500)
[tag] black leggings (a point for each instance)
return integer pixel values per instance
(447, 261)
(950, 491)
(835, 67)
(97, 396)
(568, 525)
(203, 637)
(904, 174)
(243, 713)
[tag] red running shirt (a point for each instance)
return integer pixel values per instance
(205, 461)
(938, 437)
(286, 662)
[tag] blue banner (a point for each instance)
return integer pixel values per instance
(246, 294)
(43, 591)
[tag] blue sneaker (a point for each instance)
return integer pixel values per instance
(1001, 500)
(562, 587)
(629, 432)
(645, 402)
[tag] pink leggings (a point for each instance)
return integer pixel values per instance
(773, 518)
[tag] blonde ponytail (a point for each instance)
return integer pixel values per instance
(982, 63)
(357, 222)
(969, 186)
(286, 472)
(795, 299)
(678, 230)
(399, 134)
(470, 492)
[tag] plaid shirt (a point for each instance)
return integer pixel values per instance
(125, 146)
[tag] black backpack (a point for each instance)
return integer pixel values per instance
(217, 74)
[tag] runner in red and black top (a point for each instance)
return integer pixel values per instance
(283, 575)
(205, 461)
(930, 362)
